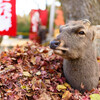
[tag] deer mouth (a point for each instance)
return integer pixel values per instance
(61, 51)
(59, 47)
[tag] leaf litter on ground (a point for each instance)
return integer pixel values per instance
(34, 72)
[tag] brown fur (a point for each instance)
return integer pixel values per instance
(80, 64)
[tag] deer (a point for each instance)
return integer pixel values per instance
(75, 43)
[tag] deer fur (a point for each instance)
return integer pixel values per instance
(76, 46)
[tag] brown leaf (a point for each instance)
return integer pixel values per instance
(44, 96)
(25, 73)
(66, 95)
(33, 60)
(33, 87)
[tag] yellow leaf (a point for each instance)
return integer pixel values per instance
(23, 87)
(67, 85)
(29, 94)
(33, 60)
(33, 81)
(47, 81)
(98, 61)
(8, 90)
(18, 54)
(9, 67)
(60, 87)
(38, 73)
(28, 88)
(95, 97)
(27, 74)
(66, 95)
(33, 87)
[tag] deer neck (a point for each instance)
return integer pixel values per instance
(87, 59)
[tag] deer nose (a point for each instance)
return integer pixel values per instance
(54, 44)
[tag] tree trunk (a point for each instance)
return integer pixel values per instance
(82, 9)
(1, 39)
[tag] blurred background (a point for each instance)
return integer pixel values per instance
(39, 20)
(35, 20)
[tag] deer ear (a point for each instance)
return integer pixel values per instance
(97, 31)
(61, 28)
(86, 21)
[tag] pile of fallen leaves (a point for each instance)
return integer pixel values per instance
(33, 72)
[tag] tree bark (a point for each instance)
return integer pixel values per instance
(1, 39)
(82, 9)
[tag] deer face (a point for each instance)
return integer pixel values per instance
(74, 39)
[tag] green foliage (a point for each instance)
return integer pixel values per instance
(23, 23)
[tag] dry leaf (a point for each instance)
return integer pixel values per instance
(66, 95)
(60, 87)
(38, 73)
(27, 74)
(67, 85)
(95, 97)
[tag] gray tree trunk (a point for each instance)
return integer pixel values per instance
(82, 9)
(1, 39)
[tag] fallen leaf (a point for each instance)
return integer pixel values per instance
(29, 94)
(66, 95)
(50, 52)
(33, 60)
(44, 96)
(67, 85)
(34, 72)
(27, 74)
(95, 97)
(60, 87)
(23, 87)
(38, 73)
(33, 87)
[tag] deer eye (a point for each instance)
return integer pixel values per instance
(81, 33)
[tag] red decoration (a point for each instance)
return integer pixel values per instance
(37, 16)
(8, 17)
(34, 37)
(34, 21)
(43, 17)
